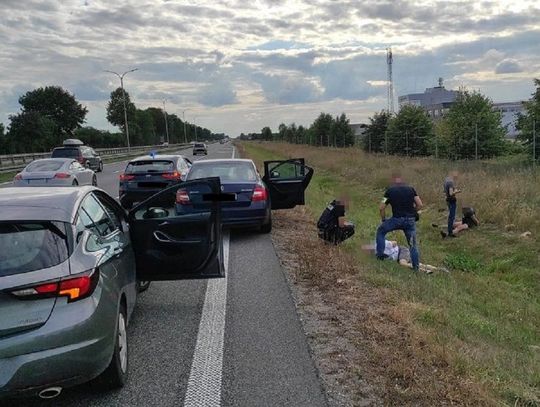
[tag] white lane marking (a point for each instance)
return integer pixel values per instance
(233, 150)
(204, 384)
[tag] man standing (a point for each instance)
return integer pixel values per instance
(405, 204)
(450, 190)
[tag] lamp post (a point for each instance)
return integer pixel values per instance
(166, 124)
(184, 119)
(121, 76)
(195, 124)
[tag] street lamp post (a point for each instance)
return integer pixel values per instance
(166, 124)
(184, 119)
(121, 76)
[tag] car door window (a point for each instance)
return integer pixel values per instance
(111, 211)
(101, 220)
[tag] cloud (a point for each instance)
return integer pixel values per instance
(217, 94)
(508, 66)
(287, 90)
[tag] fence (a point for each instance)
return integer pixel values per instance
(16, 162)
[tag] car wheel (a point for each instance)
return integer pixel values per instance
(100, 167)
(116, 374)
(142, 286)
(267, 227)
(74, 183)
(94, 181)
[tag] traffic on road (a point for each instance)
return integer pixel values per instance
(74, 262)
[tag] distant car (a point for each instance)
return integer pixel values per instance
(55, 172)
(69, 260)
(200, 148)
(147, 175)
(222, 141)
(165, 144)
(73, 148)
(254, 197)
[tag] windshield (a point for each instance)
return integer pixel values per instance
(199, 145)
(30, 246)
(150, 166)
(66, 152)
(227, 171)
(45, 165)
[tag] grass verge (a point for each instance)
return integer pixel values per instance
(477, 329)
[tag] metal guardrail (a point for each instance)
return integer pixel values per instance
(16, 162)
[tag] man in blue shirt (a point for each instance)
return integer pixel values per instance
(405, 204)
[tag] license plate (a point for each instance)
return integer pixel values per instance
(36, 181)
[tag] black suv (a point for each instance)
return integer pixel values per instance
(199, 148)
(73, 148)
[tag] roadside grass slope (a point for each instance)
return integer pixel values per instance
(484, 317)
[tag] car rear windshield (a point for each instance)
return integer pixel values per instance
(226, 171)
(31, 246)
(65, 153)
(150, 166)
(199, 145)
(45, 165)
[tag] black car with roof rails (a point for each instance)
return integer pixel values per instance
(145, 176)
(86, 155)
(200, 148)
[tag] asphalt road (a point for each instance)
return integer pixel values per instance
(187, 348)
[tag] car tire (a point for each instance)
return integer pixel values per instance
(116, 374)
(94, 181)
(74, 183)
(100, 167)
(267, 227)
(142, 286)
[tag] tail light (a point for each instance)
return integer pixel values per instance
(182, 197)
(17, 177)
(62, 175)
(126, 177)
(172, 175)
(74, 289)
(259, 194)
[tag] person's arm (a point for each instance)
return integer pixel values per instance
(418, 203)
(476, 220)
(340, 213)
(341, 221)
(382, 209)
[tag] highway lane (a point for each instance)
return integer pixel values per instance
(266, 359)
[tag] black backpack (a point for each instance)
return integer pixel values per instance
(327, 219)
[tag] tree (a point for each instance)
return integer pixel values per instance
(115, 109)
(31, 132)
(374, 138)
(410, 132)
(341, 131)
(3, 140)
(57, 105)
(266, 133)
(321, 128)
(528, 124)
(474, 127)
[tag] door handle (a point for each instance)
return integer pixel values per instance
(163, 238)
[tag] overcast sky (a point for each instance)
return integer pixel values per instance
(239, 65)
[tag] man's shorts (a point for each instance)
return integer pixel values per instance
(404, 254)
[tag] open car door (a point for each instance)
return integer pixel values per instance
(170, 245)
(287, 181)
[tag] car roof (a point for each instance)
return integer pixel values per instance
(37, 203)
(223, 160)
(157, 157)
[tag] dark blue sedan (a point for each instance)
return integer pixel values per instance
(252, 196)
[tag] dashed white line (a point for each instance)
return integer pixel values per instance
(204, 384)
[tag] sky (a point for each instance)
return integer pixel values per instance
(236, 66)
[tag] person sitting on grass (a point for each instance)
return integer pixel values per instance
(468, 221)
(402, 255)
(332, 225)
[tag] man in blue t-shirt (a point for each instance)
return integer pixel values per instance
(405, 204)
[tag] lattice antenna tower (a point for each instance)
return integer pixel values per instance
(390, 81)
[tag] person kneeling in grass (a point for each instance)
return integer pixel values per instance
(402, 255)
(469, 220)
(332, 225)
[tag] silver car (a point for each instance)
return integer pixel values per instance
(69, 263)
(55, 172)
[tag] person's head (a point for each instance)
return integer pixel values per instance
(396, 177)
(343, 199)
(454, 174)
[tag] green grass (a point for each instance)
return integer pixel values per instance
(485, 313)
(6, 176)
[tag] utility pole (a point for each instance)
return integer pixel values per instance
(121, 76)
(390, 96)
(166, 124)
(476, 141)
(534, 143)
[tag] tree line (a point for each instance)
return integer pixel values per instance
(470, 129)
(324, 131)
(51, 114)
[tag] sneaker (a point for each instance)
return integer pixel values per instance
(434, 225)
(443, 234)
(383, 257)
(452, 235)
